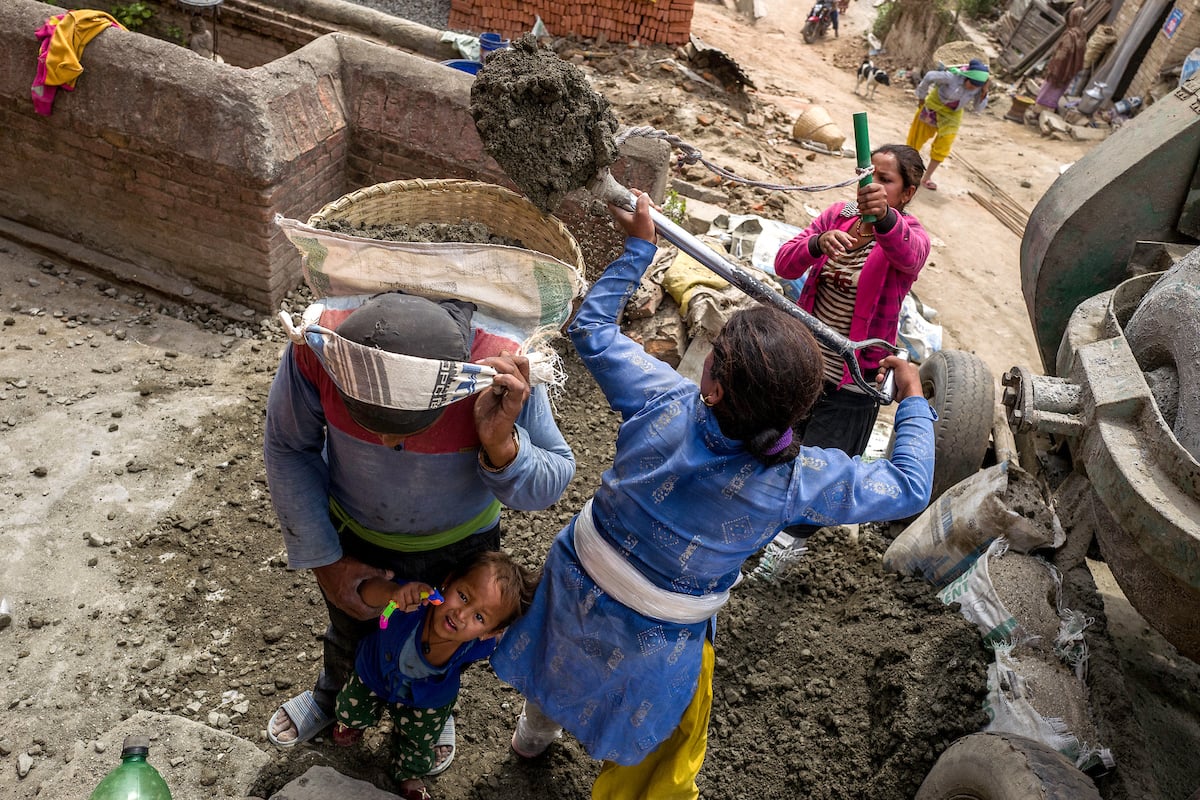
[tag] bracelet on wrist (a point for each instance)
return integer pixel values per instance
(486, 462)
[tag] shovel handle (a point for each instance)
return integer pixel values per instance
(888, 389)
(862, 151)
(609, 190)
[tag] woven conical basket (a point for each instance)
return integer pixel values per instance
(815, 124)
(415, 201)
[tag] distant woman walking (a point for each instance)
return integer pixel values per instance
(943, 95)
(1065, 62)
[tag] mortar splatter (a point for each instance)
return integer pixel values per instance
(539, 118)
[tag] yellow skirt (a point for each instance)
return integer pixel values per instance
(934, 120)
(669, 773)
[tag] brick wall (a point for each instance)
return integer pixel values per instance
(176, 166)
(646, 21)
(1164, 53)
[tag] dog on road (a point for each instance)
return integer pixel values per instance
(872, 76)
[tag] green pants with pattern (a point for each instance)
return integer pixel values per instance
(415, 731)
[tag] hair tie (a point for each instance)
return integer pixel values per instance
(781, 443)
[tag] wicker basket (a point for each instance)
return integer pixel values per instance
(815, 124)
(412, 202)
(957, 54)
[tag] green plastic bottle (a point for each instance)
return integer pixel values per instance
(134, 779)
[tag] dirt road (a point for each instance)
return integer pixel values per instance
(144, 566)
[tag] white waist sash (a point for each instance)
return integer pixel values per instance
(619, 579)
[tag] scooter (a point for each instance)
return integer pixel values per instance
(819, 21)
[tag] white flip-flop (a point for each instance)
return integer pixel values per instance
(445, 739)
(308, 718)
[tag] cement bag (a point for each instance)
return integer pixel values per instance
(1015, 600)
(518, 288)
(1029, 589)
(979, 604)
(1040, 699)
(1002, 500)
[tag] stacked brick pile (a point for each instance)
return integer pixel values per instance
(646, 21)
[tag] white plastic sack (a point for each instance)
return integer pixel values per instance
(1010, 706)
(1024, 679)
(466, 44)
(1047, 626)
(517, 291)
(979, 604)
(1009, 711)
(1191, 66)
(759, 239)
(918, 335)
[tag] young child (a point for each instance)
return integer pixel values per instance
(413, 666)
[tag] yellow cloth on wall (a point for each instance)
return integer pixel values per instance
(71, 35)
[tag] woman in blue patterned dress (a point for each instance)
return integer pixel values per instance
(616, 647)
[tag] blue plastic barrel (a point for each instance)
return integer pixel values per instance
(489, 43)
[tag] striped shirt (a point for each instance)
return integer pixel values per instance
(837, 289)
(890, 269)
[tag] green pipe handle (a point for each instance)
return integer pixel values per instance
(862, 149)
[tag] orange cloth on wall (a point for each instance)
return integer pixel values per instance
(74, 30)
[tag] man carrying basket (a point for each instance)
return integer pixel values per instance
(398, 425)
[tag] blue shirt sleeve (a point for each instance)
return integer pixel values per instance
(544, 464)
(297, 474)
(858, 491)
(626, 374)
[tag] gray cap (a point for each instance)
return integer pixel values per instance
(413, 326)
(135, 744)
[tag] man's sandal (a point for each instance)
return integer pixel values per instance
(307, 718)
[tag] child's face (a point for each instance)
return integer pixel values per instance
(473, 608)
(887, 174)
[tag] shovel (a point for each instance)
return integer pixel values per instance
(608, 189)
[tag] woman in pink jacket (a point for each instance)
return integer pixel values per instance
(857, 276)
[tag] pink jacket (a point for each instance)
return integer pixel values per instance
(889, 272)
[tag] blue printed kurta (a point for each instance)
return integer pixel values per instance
(685, 506)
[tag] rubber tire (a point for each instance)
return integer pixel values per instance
(1003, 766)
(809, 33)
(960, 388)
